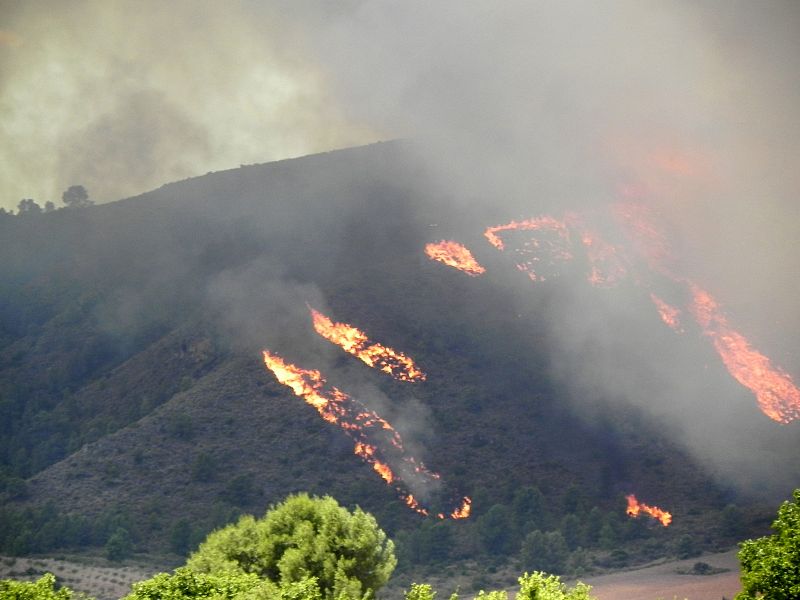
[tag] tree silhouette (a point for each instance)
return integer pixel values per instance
(76, 196)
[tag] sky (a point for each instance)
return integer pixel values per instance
(520, 104)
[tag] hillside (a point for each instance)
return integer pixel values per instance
(134, 396)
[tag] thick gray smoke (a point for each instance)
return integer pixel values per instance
(122, 97)
(531, 107)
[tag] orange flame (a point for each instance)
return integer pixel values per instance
(454, 255)
(635, 508)
(671, 315)
(462, 512)
(356, 342)
(360, 424)
(776, 393)
(558, 247)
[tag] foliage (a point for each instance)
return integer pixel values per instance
(42, 589)
(771, 564)
(534, 586)
(119, 545)
(541, 586)
(420, 591)
(187, 584)
(304, 537)
(545, 551)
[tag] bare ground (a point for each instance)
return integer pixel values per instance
(663, 581)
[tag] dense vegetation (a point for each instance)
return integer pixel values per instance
(129, 362)
(306, 548)
(771, 564)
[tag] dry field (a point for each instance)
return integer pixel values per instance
(663, 581)
(103, 583)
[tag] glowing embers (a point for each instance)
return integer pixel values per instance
(356, 342)
(454, 255)
(635, 508)
(538, 255)
(776, 393)
(375, 440)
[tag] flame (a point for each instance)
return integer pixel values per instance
(635, 508)
(454, 255)
(361, 424)
(556, 246)
(462, 512)
(776, 393)
(671, 315)
(606, 261)
(356, 342)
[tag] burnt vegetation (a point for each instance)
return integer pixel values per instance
(137, 416)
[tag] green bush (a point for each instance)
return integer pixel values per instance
(42, 589)
(348, 554)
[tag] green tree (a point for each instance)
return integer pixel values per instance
(348, 554)
(180, 537)
(420, 591)
(186, 584)
(544, 551)
(42, 589)
(119, 545)
(541, 586)
(771, 564)
(495, 530)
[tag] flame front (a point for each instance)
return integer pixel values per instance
(635, 508)
(539, 253)
(356, 342)
(362, 425)
(454, 255)
(776, 393)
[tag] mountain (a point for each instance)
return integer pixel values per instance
(133, 395)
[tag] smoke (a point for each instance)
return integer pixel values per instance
(520, 108)
(124, 97)
(526, 108)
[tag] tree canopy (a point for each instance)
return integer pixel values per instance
(771, 564)
(304, 537)
(43, 588)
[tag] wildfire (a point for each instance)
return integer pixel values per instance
(776, 393)
(635, 508)
(552, 244)
(356, 342)
(606, 261)
(671, 315)
(361, 424)
(454, 255)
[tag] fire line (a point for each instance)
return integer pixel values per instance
(455, 255)
(364, 426)
(356, 342)
(635, 508)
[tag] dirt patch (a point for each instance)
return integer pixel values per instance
(665, 581)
